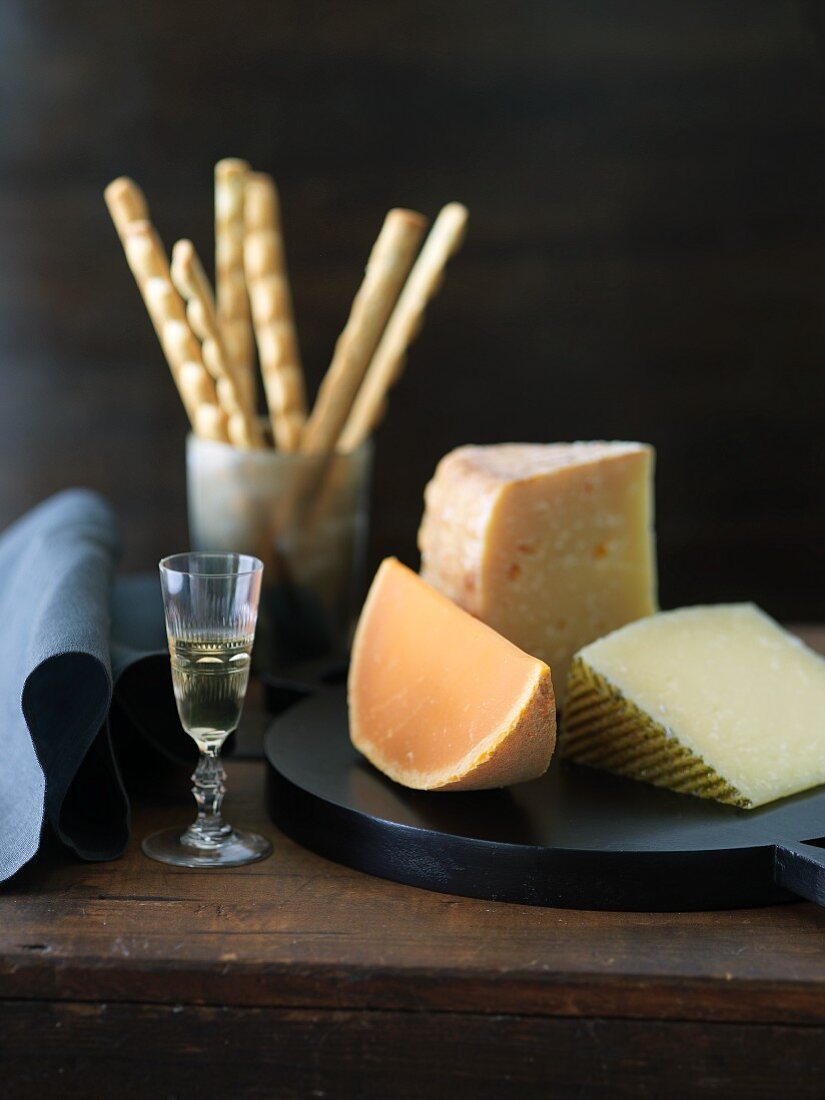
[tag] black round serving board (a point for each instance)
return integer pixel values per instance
(576, 838)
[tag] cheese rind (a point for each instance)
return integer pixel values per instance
(719, 702)
(550, 544)
(438, 700)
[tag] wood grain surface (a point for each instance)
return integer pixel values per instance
(644, 259)
(298, 931)
(137, 1051)
(296, 977)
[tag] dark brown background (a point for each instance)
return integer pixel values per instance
(646, 256)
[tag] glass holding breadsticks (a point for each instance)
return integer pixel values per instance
(290, 488)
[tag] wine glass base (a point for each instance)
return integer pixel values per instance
(234, 850)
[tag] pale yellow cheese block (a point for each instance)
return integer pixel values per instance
(550, 544)
(718, 702)
(438, 700)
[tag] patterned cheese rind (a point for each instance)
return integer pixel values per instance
(603, 729)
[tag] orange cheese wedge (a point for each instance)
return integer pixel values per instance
(439, 700)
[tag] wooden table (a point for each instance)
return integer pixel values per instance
(299, 978)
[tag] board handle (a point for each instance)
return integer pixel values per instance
(800, 868)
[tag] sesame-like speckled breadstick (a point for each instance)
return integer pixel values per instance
(271, 305)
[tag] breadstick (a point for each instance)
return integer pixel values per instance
(210, 422)
(192, 284)
(233, 306)
(147, 259)
(271, 306)
(150, 267)
(126, 203)
(403, 326)
(387, 268)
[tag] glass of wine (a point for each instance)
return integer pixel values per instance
(211, 605)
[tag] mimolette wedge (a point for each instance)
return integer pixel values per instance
(439, 700)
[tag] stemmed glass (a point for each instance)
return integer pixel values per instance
(211, 607)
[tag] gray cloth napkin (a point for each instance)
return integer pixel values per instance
(84, 672)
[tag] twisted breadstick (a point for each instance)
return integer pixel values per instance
(191, 282)
(126, 203)
(232, 303)
(150, 267)
(147, 259)
(387, 268)
(403, 326)
(272, 316)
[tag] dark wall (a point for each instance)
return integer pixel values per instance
(646, 256)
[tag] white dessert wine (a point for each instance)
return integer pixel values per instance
(210, 602)
(210, 679)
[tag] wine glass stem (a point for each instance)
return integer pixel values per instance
(209, 788)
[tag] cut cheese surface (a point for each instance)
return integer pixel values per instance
(550, 544)
(718, 702)
(438, 700)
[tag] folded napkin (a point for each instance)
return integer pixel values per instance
(84, 673)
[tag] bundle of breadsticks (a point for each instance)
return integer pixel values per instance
(209, 338)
